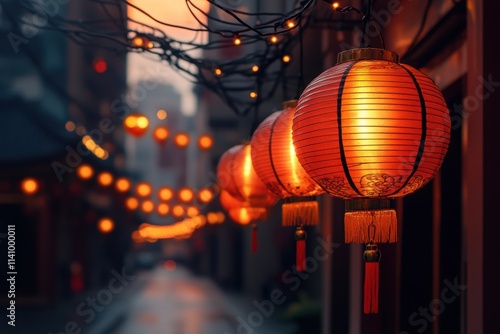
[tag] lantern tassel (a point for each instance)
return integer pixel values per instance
(303, 213)
(371, 285)
(255, 242)
(300, 255)
(356, 226)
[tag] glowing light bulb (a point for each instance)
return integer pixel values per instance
(286, 58)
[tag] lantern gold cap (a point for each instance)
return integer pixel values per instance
(289, 104)
(367, 54)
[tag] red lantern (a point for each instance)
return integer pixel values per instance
(369, 130)
(275, 162)
(237, 176)
(243, 213)
(136, 124)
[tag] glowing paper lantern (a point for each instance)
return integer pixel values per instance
(181, 140)
(122, 184)
(160, 134)
(85, 171)
(205, 195)
(369, 130)
(237, 176)
(29, 186)
(105, 225)
(185, 194)
(275, 162)
(147, 206)
(205, 142)
(105, 179)
(136, 124)
(165, 194)
(131, 203)
(143, 189)
(163, 209)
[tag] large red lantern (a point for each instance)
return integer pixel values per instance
(370, 130)
(237, 176)
(275, 161)
(136, 124)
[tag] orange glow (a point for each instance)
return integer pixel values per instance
(105, 179)
(136, 124)
(335, 5)
(240, 211)
(105, 225)
(70, 126)
(131, 203)
(373, 140)
(274, 159)
(147, 206)
(273, 39)
(205, 195)
(185, 194)
(192, 211)
(290, 24)
(205, 142)
(143, 189)
(244, 184)
(181, 139)
(216, 218)
(163, 209)
(286, 58)
(165, 194)
(218, 72)
(161, 114)
(160, 134)
(29, 186)
(170, 265)
(253, 95)
(100, 65)
(237, 41)
(178, 211)
(85, 171)
(122, 184)
(255, 68)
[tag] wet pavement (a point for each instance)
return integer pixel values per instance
(176, 302)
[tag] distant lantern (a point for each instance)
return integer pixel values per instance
(163, 209)
(369, 130)
(100, 65)
(143, 189)
(161, 114)
(136, 124)
(178, 211)
(147, 206)
(237, 176)
(165, 194)
(192, 211)
(181, 139)
(131, 203)
(105, 225)
(160, 134)
(185, 194)
(122, 184)
(105, 179)
(205, 142)
(205, 195)
(85, 171)
(275, 162)
(29, 186)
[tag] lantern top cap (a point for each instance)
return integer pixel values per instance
(289, 104)
(367, 54)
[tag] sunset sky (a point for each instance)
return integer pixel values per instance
(141, 66)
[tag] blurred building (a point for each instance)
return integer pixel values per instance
(57, 114)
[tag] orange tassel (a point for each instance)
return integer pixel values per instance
(255, 242)
(371, 287)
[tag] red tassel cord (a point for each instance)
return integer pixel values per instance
(371, 287)
(255, 242)
(300, 257)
